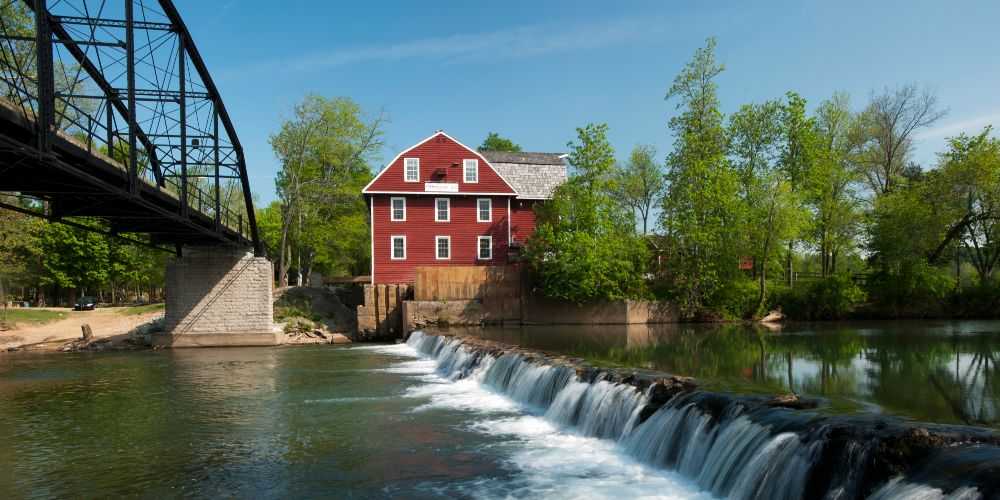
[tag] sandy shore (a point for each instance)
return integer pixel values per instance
(105, 322)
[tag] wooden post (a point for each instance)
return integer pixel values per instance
(88, 333)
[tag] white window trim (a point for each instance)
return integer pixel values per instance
(478, 242)
(392, 210)
(392, 247)
(478, 211)
(437, 255)
(405, 170)
(448, 201)
(465, 170)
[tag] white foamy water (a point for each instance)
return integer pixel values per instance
(547, 459)
(565, 437)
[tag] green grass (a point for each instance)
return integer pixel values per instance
(30, 316)
(136, 310)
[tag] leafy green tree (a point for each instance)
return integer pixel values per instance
(957, 203)
(830, 185)
(269, 226)
(640, 183)
(971, 166)
(494, 142)
(325, 151)
(701, 202)
(585, 247)
(73, 259)
(771, 211)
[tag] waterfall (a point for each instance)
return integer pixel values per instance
(730, 451)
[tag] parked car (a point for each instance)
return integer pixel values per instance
(85, 304)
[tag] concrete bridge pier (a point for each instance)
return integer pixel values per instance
(218, 296)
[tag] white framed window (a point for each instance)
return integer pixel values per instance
(397, 211)
(398, 247)
(442, 209)
(442, 247)
(484, 210)
(411, 167)
(471, 170)
(484, 250)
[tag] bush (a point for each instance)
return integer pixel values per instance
(834, 297)
(978, 301)
(915, 289)
(737, 300)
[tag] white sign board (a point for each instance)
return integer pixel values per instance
(441, 187)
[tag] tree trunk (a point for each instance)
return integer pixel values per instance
(283, 260)
(763, 287)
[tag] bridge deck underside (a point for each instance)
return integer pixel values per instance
(82, 183)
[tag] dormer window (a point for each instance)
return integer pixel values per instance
(411, 166)
(471, 169)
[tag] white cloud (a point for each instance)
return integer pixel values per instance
(970, 126)
(516, 42)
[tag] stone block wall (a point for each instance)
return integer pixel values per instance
(219, 296)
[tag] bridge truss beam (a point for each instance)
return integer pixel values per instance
(124, 79)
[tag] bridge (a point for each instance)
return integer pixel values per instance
(111, 122)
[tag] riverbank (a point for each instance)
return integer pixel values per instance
(110, 327)
(748, 446)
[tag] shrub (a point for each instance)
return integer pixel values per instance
(978, 301)
(834, 297)
(914, 289)
(737, 300)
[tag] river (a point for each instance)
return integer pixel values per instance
(357, 422)
(391, 421)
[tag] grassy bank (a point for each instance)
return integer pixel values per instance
(29, 316)
(136, 310)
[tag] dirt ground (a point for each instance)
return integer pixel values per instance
(105, 322)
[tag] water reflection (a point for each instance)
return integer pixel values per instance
(933, 371)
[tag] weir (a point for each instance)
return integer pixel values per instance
(732, 446)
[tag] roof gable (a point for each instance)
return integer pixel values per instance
(441, 158)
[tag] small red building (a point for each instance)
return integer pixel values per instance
(441, 203)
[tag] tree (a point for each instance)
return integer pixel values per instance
(972, 166)
(957, 203)
(830, 184)
(325, 153)
(494, 142)
(74, 259)
(641, 183)
(700, 203)
(886, 127)
(20, 255)
(771, 212)
(585, 247)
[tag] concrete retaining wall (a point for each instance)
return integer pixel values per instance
(417, 314)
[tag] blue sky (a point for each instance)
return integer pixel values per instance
(535, 71)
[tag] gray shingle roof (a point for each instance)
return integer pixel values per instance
(532, 175)
(522, 157)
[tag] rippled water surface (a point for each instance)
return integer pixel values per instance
(936, 371)
(356, 422)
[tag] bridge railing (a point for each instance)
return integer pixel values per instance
(124, 79)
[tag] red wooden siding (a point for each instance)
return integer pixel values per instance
(439, 153)
(522, 219)
(420, 230)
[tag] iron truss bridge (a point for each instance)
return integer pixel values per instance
(110, 121)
